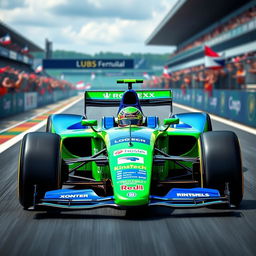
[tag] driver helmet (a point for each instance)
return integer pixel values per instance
(130, 116)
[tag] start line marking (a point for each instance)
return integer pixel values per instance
(17, 138)
(221, 120)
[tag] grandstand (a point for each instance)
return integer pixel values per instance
(15, 52)
(228, 28)
(21, 86)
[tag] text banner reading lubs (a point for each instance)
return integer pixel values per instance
(88, 63)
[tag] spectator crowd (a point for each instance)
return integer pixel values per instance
(241, 19)
(13, 80)
(238, 73)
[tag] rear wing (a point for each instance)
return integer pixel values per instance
(113, 98)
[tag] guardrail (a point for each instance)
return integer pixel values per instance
(11, 104)
(236, 105)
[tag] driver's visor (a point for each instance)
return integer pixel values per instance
(125, 122)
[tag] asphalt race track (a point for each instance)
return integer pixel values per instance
(161, 231)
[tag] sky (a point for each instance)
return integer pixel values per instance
(88, 26)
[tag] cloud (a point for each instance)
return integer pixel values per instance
(130, 9)
(12, 4)
(105, 32)
(88, 25)
(34, 15)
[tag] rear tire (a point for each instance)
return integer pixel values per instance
(221, 163)
(40, 165)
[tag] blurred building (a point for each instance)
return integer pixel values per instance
(17, 51)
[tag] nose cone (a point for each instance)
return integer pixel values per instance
(131, 165)
(132, 195)
(131, 178)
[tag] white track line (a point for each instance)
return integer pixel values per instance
(32, 117)
(17, 138)
(221, 119)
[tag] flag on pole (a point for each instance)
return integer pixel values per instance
(82, 86)
(165, 72)
(25, 49)
(39, 69)
(93, 76)
(5, 40)
(88, 86)
(146, 75)
(213, 59)
(62, 76)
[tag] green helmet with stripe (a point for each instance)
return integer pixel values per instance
(130, 116)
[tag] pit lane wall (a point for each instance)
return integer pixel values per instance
(11, 104)
(236, 105)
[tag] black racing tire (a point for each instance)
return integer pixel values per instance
(40, 165)
(209, 122)
(49, 124)
(221, 163)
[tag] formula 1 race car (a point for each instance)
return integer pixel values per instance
(131, 160)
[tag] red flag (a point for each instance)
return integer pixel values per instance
(165, 72)
(5, 40)
(25, 49)
(209, 52)
(4, 69)
(212, 59)
(39, 69)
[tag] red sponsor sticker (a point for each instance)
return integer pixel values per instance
(137, 187)
(118, 152)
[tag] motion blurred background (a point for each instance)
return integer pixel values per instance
(204, 51)
(50, 51)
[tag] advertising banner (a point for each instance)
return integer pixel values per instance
(30, 100)
(88, 63)
(236, 105)
(11, 104)
(6, 105)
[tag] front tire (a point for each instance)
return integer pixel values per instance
(221, 163)
(39, 165)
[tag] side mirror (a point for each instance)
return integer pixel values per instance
(87, 122)
(170, 121)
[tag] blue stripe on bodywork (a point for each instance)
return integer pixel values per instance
(122, 135)
(196, 120)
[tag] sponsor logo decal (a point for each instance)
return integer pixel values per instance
(146, 95)
(127, 139)
(137, 187)
(234, 105)
(108, 95)
(129, 166)
(192, 195)
(199, 99)
(130, 151)
(130, 159)
(131, 194)
(131, 174)
(75, 196)
(251, 107)
(222, 102)
(214, 101)
(131, 182)
(116, 95)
